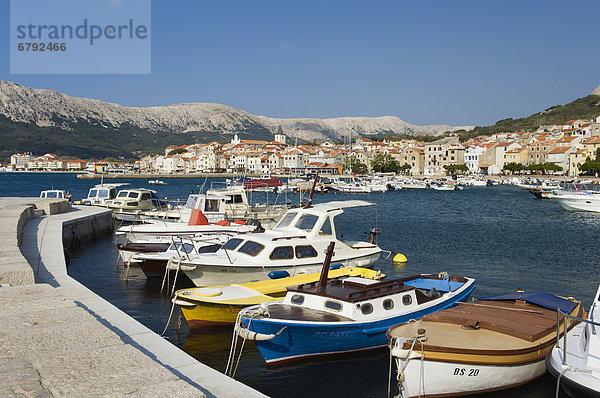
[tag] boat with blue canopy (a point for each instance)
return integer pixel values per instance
(345, 314)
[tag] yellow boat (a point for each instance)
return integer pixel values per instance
(220, 305)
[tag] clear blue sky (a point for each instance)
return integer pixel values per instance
(427, 62)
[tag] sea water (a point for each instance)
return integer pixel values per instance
(501, 236)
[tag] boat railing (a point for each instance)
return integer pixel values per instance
(575, 318)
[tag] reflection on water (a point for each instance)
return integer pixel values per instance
(503, 237)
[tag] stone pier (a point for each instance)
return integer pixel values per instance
(59, 339)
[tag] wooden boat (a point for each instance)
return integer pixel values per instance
(344, 315)
(220, 305)
(485, 345)
(575, 360)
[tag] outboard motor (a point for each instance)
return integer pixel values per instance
(372, 234)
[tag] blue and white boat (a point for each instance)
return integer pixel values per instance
(344, 314)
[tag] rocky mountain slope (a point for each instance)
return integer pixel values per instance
(48, 108)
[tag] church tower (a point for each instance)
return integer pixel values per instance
(280, 137)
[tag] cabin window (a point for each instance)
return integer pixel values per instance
(122, 194)
(209, 249)
(306, 222)
(406, 299)
(186, 247)
(366, 308)
(237, 199)
(146, 196)
(93, 193)
(282, 253)
(287, 219)
(104, 194)
(133, 195)
(333, 305)
(305, 251)
(232, 244)
(388, 304)
(251, 248)
(297, 299)
(211, 205)
(326, 228)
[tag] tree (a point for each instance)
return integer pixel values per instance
(354, 165)
(384, 162)
(405, 168)
(177, 151)
(455, 168)
(591, 167)
(514, 167)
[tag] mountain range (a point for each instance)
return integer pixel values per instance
(191, 122)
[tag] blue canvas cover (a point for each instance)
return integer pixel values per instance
(546, 300)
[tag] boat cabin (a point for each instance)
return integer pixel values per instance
(212, 206)
(135, 199)
(55, 194)
(362, 299)
(99, 194)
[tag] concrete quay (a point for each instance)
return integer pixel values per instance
(59, 339)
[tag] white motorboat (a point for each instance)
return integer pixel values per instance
(575, 359)
(55, 194)
(296, 245)
(129, 203)
(206, 216)
(354, 186)
(99, 194)
(577, 200)
(157, 182)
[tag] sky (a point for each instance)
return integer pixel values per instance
(458, 62)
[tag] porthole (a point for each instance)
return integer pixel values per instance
(366, 308)
(406, 299)
(333, 305)
(297, 299)
(388, 304)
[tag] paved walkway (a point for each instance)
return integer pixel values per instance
(59, 339)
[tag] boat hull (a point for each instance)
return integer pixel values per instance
(579, 202)
(446, 379)
(576, 380)
(299, 339)
(211, 275)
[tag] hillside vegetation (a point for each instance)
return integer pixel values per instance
(582, 108)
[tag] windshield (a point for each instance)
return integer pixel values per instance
(287, 219)
(133, 195)
(102, 193)
(306, 222)
(122, 194)
(93, 193)
(191, 202)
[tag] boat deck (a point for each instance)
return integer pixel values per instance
(296, 313)
(486, 325)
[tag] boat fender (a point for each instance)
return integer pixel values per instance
(278, 274)
(399, 258)
(335, 266)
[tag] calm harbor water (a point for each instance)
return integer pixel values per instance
(503, 237)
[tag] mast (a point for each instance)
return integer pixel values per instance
(312, 191)
(322, 287)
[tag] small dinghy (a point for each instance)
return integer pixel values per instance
(344, 314)
(485, 345)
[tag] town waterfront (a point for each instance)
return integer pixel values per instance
(502, 236)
